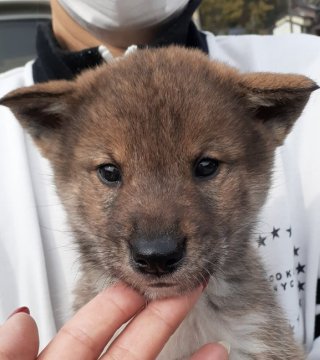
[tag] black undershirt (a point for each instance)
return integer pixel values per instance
(55, 63)
(317, 324)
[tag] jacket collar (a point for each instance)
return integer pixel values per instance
(54, 63)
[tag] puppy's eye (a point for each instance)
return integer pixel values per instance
(205, 167)
(109, 174)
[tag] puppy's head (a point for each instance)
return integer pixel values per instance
(162, 159)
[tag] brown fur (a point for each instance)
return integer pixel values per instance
(154, 113)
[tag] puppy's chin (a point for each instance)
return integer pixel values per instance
(154, 287)
(162, 293)
(154, 293)
(161, 289)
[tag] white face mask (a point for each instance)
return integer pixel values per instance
(112, 15)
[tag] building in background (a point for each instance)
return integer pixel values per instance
(301, 19)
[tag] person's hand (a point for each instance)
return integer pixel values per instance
(87, 333)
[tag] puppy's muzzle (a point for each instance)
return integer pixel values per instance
(157, 256)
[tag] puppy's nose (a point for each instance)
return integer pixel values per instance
(158, 256)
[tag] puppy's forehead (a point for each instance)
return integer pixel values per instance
(166, 103)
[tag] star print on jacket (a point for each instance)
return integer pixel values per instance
(289, 231)
(275, 232)
(287, 278)
(300, 268)
(261, 241)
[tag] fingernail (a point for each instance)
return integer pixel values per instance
(226, 345)
(22, 309)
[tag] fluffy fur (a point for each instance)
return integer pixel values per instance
(154, 114)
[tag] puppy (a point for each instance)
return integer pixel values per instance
(163, 160)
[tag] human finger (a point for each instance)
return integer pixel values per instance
(148, 332)
(87, 333)
(216, 351)
(19, 338)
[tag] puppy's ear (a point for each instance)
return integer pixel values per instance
(42, 109)
(277, 100)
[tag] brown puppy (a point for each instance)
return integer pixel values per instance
(163, 161)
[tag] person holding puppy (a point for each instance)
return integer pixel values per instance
(65, 49)
(287, 240)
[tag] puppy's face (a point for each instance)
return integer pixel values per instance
(162, 160)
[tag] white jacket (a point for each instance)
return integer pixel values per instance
(38, 265)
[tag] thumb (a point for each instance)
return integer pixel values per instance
(19, 338)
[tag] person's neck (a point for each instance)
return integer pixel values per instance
(71, 36)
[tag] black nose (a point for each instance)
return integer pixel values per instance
(158, 256)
